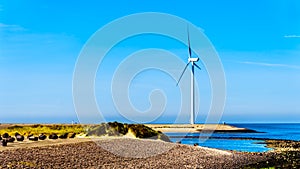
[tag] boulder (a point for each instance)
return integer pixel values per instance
(63, 136)
(5, 135)
(42, 136)
(4, 142)
(53, 136)
(71, 135)
(10, 139)
(33, 138)
(30, 135)
(20, 138)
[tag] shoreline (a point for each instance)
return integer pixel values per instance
(283, 151)
(197, 128)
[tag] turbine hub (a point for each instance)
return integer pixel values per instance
(193, 59)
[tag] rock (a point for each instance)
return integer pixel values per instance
(42, 136)
(10, 139)
(53, 136)
(33, 138)
(30, 135)
(63, 136)
(5, 135)
(71, 135)
(296, 146)
(20, 138)
(4, 142)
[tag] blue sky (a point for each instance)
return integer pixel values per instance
(258, 43)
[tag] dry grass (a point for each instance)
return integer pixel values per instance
(103, 129)
(47, 129)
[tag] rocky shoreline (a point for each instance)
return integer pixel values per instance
(286, 154)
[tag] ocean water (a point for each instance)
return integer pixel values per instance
(247, 142)
(283, 131)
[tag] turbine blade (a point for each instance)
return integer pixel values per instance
(189, 43)
(182, 73)
(197, 66)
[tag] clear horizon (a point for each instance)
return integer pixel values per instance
(257, 42)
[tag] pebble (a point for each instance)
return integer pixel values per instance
(124, 153)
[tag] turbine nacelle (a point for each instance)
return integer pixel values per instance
(193, 59)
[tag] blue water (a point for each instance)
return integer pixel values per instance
(283, 131)
(248, 142)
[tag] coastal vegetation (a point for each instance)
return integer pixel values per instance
(121, 129)
(103, 129)
(46, 129)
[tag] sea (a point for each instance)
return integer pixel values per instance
(244, 142)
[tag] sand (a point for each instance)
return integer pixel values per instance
(188, 128)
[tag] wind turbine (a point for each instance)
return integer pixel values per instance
(191, 60)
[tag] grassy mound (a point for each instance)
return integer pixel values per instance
(120, 129)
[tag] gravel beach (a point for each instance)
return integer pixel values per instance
(124, 153)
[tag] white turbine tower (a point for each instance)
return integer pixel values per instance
(191, 60)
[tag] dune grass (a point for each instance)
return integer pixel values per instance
(98, 130)
(46, 129)
(110, 129)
